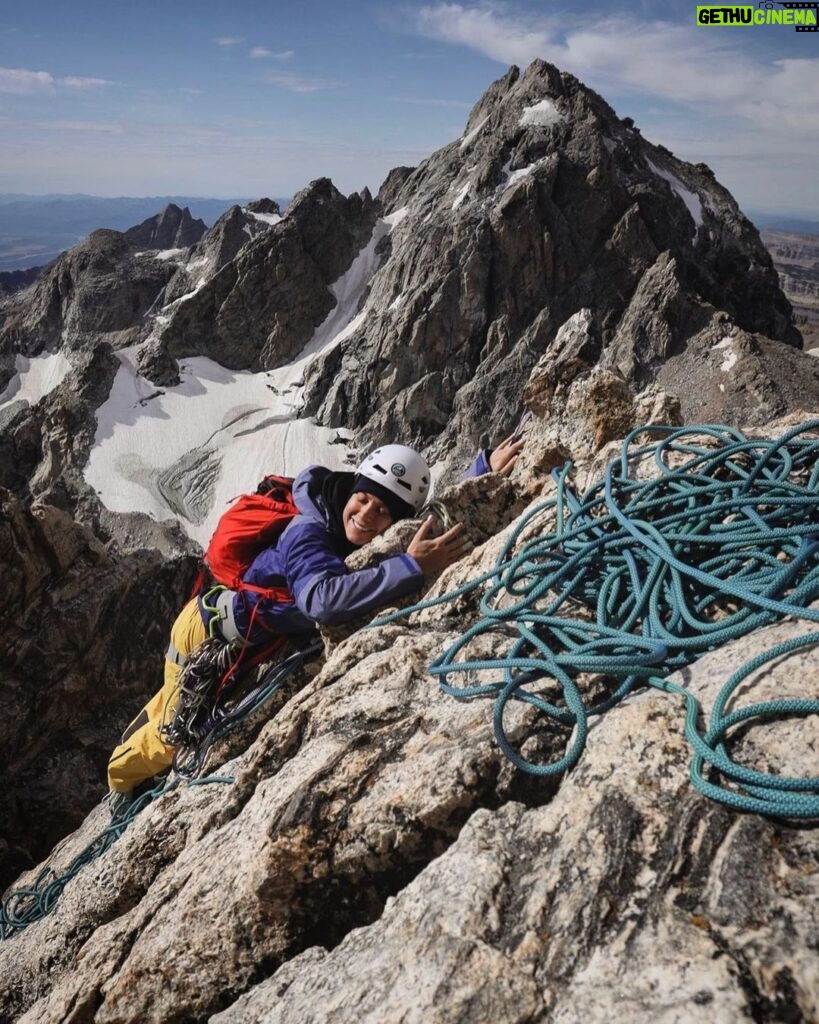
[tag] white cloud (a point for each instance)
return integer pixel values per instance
(22, 81)
(228, 40)
(99, 127)
(262, 53)
(507, 38)
(73, 82)
(296, 83)
(673, 62)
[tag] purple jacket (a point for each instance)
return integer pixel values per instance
(306, 561)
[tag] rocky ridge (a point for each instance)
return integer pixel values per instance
(171, 229)
(12, 281)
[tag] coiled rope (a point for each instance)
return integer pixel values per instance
(208, 722)
(640, 577)
(24, 906)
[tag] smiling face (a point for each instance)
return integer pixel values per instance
(364, 517)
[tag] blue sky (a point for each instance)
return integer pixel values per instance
(248, 98)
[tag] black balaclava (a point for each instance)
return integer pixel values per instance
(335, 493)
(399, 509)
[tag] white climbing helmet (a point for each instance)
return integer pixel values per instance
(400, 470)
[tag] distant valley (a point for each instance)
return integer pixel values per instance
(36, 229)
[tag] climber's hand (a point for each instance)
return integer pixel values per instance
(503, 458)
(435, 553)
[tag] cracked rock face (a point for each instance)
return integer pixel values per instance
(377, 858)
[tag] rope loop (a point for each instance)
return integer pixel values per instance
(692, 537)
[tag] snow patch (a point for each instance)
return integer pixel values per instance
(544, 113)
(394, 219)
(516, 176)
(265, 218)
(461, 196)
(217, 432)
(35, 378)
(233, 420)
(467, 140)
(731, 357)
(169, 254)
(189, 295)
(692, 201)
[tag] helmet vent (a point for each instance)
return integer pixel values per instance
(380, 469)
(404, 484)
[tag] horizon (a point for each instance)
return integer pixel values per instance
(96, 102)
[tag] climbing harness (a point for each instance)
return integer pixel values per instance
(641, 575)
(208, 707)
(207, 718)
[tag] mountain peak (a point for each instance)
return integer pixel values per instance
(173, 228)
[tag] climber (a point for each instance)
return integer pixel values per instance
(338, 512)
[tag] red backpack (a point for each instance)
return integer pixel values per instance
(251, 524)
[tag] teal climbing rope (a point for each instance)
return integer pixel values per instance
(24, 906)
(694, 537)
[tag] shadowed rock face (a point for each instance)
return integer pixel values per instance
(12, 281)
(84, 631)
(261, 307)
(171, 229)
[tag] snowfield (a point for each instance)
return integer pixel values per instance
(35, 378)
(187, 451)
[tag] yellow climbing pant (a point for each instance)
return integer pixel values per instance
(142, 753)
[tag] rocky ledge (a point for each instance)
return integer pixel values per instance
(376, 857)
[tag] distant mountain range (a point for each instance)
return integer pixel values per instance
(36, 229)
(777, 222)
